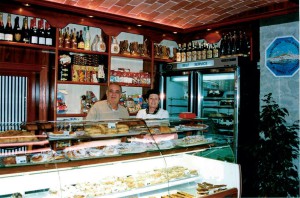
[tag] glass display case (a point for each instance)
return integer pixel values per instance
(114, 158)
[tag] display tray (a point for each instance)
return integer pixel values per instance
(33, 163)
(195, 144)
(191, 128)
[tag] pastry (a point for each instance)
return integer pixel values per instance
(9, 160)
(164, 129)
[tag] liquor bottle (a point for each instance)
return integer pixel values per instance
(41, 32)
(87, 40)
(48, 34)
(223, 44)
(33, 32)
(67, 39)
(8, 32)
(1, 27)
(25, 31)
(80, 41)
(209, 52)
(183, 53)
(216, 51)
(194, 51)
(229, 44)
(233, 42)
(60, 38)
(74, 40)
(178, 53)
(204, 51)
(199, 53)
(17, 32)
(189, 52)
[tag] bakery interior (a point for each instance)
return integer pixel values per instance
(45, 142)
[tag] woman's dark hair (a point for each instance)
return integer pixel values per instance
(149, 92)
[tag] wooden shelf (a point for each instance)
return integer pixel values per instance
(130, 56)
(164, 60)
(27, 45)
(81, 83)
(80, 51)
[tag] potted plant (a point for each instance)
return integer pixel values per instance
(275, 152)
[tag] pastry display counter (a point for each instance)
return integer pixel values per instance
(112, 158)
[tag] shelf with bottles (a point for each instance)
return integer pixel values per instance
(82, 39)
(26, 31)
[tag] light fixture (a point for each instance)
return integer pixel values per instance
(179, 78)
(139, 25)
(174, 32)
(26, 4)
(90, 16)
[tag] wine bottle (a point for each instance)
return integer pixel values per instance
(199, 53)
(17, 32)
(216, 51)
(178, 53)
(209, 52)
(204, 51)
(189, 52)
(80, 41)
(41, 33)
(8, 32)
(183, 53)
(48, 34)
(25, 31)
(87, 40)
(74, 43)
(33, 32)
(67, 40)
(60, 38)
(1, 27)
(194, 51)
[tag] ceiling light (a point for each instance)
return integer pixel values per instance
(174, 32)
(26, 4)
(90, 16)
(208, 29)
(139, 25)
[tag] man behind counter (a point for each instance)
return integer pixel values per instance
(109, 109)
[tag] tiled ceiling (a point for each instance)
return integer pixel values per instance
(174, 13)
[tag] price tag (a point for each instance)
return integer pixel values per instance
(111, 125)
(21, 159)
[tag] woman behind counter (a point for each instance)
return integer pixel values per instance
(153, 110)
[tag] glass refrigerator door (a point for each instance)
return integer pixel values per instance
(218, 103)
(177, 94)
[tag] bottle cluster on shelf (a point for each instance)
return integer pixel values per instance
(81, 39)
(81, 68)
(125, 76)
(231, 44)
(32, 30)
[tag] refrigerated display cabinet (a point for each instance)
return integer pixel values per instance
(114, 158)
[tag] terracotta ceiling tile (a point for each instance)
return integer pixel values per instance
(125, 9)
(114, 9)
(192, 5)
(179, 5)
(166, 14)
(135, 2)
(152, 8)
(137, 9)
(70, 2)
(166, 6)
(149, 1)
(122, 2)
(106, 4)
